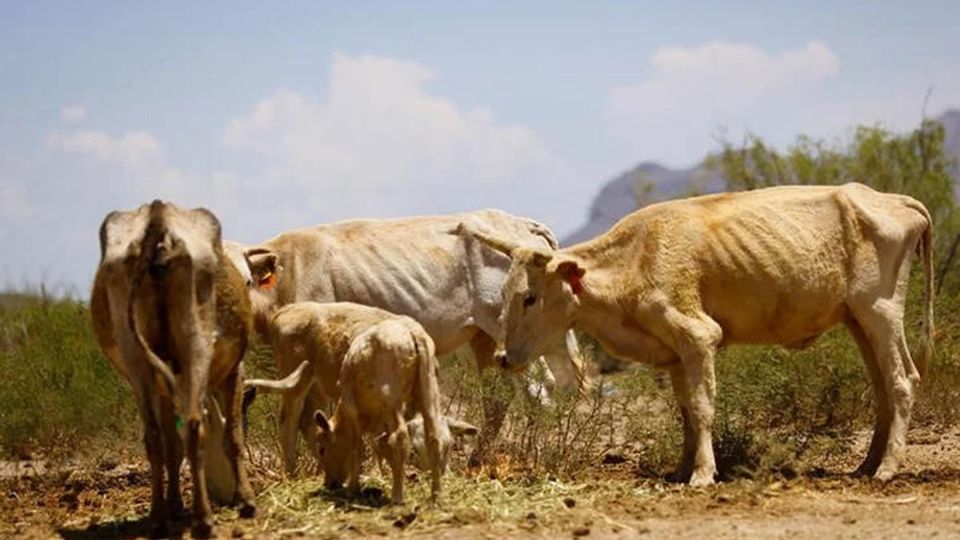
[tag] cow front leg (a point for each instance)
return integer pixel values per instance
(697, 343)
(685, 468)
(233, 442)
(291, 408)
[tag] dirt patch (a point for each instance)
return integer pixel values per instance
(109, 499)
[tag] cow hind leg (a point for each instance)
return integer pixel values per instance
(399, 444)
(153, 441)
(173, 456)
(233, 442)
(697, 339)
(202, 520)
(883, 326)
(884, 413)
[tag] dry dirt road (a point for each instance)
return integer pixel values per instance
(105, 500)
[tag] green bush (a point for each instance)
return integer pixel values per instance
(57, 388)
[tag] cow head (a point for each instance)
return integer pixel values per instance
(539, 295)
(336, 449)
(260, 268)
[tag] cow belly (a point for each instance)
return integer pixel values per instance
(777, 315)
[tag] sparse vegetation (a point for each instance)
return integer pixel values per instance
(779, 413)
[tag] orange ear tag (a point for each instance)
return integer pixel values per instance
(575, 284)
(268, 281)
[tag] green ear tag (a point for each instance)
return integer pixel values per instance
(178, 422)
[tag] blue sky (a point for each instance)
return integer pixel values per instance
(286, 114)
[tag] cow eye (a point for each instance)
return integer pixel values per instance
(529, 300)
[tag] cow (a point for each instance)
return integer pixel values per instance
(409, 266)
(674, 282)
(373, 365)
(173, 317)
(391, 366)
(310, 341)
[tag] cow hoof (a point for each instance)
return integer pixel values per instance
(247, 510)
(202, 529)
(885, 474)
(160, 530)
(701, 480)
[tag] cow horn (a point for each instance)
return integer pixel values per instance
(499, 244)
(283, 385)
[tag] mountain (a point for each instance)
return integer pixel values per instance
(646, 183)
(650, 182)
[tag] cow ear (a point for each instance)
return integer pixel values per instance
(321, 420)
(263, 265)
(572, 273)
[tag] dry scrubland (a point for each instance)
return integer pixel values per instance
(790, 426)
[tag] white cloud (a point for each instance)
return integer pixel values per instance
(136, 149)
(377, 131)
(72, 114)
(376, 144)
(692, 92)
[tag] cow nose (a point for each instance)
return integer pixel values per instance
(500, 358)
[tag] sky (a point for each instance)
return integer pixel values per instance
(277, 115)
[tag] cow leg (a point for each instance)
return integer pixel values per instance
(685, 469)
(494, 401)
(584, 384)
(291, 407)
(883, 325)
(884, 413)
(173, 455)
(427, 394)
(308, 429)
(697, 340)
(399, 444)
(153, 442)
(202, 521)
(233, 441)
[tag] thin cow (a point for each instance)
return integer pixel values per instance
(409, 266)
(674, 282)
(172, 315)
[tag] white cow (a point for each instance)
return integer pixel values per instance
(411, 266)
(674, 282)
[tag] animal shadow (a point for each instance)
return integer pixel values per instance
(370, 496)
(141, 527)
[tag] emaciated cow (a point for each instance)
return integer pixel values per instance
(674, 282)
(173, 317)
(390, 367)
(411, 266)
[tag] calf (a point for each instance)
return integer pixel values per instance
(674, 282)
(173, 317)
(389, 367)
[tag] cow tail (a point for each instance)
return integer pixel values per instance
(925, 346)
(151, 239)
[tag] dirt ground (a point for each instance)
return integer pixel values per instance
(110, 497)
